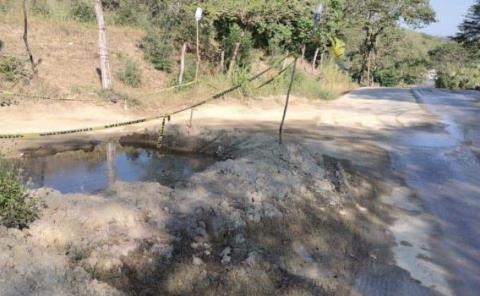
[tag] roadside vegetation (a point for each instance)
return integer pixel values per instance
(17, 207)
(236, 39)
(457, 61)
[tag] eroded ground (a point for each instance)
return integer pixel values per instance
(333, 211)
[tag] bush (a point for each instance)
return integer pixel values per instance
(12, 69)
(6, 5)
(17, 208)
(237, 35)
(457, 77)
(82, 11)
(387, 77)
(40, 7)
(158, 51)
(130, 74)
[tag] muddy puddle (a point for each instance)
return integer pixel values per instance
(94, 170)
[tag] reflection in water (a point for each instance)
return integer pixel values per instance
(95, 171)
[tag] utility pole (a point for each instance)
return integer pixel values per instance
(198, 17)
(103, 47)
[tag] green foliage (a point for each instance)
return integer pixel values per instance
(449, 53)
(234, 36)
(6, 5)
(159, 52)
(241, 76)
(82, 11)
(376, 20)
(1, 45)
(130, 74)
(12, 69)
(41, 7)
(470, 28)
(455, 77)
(17, 208)
(129, 13)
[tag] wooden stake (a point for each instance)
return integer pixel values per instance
(234, 59)
(280, 131)
(25, 38)
(314, 61)
(182, 63)
(103, 46)
(222, 62)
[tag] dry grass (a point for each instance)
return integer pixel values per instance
(69, 54)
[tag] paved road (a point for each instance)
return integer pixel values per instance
(437, 227)
(441, 166)
(433, 142)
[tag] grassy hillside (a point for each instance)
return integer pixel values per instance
(68, 49)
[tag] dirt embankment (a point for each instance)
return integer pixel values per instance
(267, 220)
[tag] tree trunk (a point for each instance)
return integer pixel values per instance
(322, 58)
(304, 48)
(25, 37)
(369, 69)
(222, 62)
(198, 54)
(182, 63)
(234, 58)
(290, 86)
(314, 61)
(103, 46)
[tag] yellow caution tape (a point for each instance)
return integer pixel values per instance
(132, 122)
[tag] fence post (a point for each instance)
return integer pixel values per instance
(280, 131)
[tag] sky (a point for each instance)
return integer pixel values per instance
(450, 14)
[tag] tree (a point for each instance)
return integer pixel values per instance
(376, 18)
(470, 27)
(103, 46)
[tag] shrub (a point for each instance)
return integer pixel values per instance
(130, 74)
(12, 69)
(17, 208)
(236, 35)
(6, 5)
(82, 11)
(457, 77)
(388, 77)
(157, 51)
(40, 7)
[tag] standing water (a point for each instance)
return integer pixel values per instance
(93, 171)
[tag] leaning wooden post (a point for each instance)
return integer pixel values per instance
(25, 37)
(280, 131)
(182, 63)
(103, 46)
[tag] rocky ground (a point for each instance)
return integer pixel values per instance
(265, 220)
